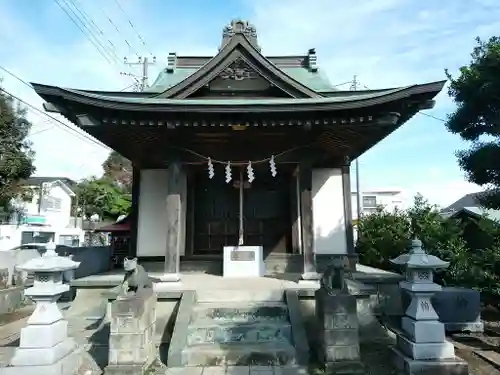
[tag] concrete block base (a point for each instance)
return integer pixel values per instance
(409, 366)
(464, 327)
(344, 368)
(125, 370)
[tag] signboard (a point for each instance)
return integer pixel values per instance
(243, 261)
(243, 256)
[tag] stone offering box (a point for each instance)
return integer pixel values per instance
(458, 308)
(243, 261)
(131, 342)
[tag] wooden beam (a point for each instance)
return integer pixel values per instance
(173, 224)
(134, 210)
(306, 220)
(346, 192)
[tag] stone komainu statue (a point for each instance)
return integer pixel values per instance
(333, 279)
(136, 279)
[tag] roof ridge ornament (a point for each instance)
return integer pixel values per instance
(239, 26)
(312, 60)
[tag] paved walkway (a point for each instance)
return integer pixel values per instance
(237, 370)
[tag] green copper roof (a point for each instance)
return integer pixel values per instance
(348, 97)
(317, 81)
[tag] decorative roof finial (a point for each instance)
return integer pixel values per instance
(239, 26)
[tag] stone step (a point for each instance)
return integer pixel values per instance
(250, 333)
(240, 313)
(257, 294)
(239, 354)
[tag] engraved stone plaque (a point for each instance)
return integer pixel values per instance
(243, 256)
(243, 261)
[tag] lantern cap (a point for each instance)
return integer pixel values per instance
(418, 258)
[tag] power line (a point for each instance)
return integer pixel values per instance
(100, 48)
(65, 126)
(77, 5)
(141, 39)
(42, 112)
(130, 47)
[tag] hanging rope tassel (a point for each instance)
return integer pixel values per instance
(229, 176)
(250, 173)
(272, 166)
(211, 172)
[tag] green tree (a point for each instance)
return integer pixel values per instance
(118, 169)
(103, 197)
(382, 236)
(16, 155)
(476, 92)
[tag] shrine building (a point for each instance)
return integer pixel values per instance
(239, 132)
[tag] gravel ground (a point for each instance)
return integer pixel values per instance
(487, 341)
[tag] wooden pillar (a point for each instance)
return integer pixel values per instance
(134, 211)
(174, 212)
(306, 222)
(295, 213)
(346, 191)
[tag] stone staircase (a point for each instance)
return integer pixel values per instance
(239, 333)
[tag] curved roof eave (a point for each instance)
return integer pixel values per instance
(49, 93)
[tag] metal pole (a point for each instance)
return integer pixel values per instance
(240, 241)
(358, 192)
(144, 74)
(299, 209)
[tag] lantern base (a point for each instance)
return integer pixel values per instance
(62, 359)
(422, 331)
(451, 366)
(425, 351)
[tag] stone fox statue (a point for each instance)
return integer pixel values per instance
(136, 279)
(333, 280)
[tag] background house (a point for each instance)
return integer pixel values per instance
(50, 203)
(372, 199)
(469, 212)
(42, 213)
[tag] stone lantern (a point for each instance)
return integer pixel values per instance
(421, 346)
(45, 347)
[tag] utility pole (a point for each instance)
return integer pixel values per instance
(354, 87)
(144, 63)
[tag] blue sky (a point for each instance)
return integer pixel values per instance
(386, 43)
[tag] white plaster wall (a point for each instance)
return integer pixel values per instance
(328, 211)
(151, 231)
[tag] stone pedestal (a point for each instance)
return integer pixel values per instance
(45, 347)
(339, 336)
(131, 342)
(421, 347)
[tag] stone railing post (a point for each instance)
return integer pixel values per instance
(422, 346)
(336, 312)
(132, 349)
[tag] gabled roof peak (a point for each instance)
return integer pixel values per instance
(239, 26)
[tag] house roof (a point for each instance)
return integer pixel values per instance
(139, 102)
(315, 80)
(475, 212)
(240, 89)
(37, 181)
(468, 200)
(122, 225)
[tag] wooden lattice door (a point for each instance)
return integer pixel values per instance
(266, 215)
